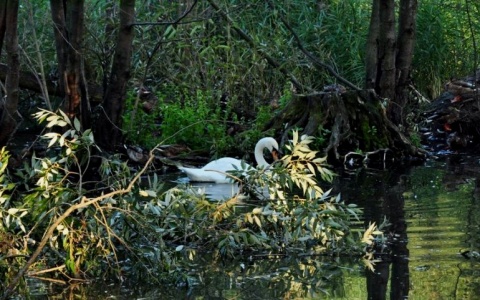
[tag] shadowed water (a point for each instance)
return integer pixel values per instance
(434, 211)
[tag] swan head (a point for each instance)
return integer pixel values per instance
(271, 145)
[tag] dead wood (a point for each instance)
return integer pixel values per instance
(451, 123)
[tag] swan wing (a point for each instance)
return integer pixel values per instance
(200, 175)
(214, 171)
(223, 164)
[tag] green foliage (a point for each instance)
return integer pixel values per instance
(205, 56)
(200, 123)
(323, 138)
(140, 128)
(286, 96)
(123, 227)
(196, 121)
(11, 217)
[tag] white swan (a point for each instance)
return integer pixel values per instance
(215, 170)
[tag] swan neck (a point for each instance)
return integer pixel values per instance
(259, 155)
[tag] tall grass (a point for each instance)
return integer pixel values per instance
(444, 46)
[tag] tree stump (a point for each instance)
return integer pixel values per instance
(349, 122)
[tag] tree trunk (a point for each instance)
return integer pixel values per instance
(8, 107)
(60, 31)
(68, 19)
(386, 51)
(388, 60)
(108, 129)
(3, 23)
(371, 55)
(405, 45)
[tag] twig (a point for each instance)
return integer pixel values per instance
(56, 281)
(46, 270)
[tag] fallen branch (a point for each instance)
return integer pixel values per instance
(84, 202)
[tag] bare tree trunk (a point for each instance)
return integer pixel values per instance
(108, 129)
(371, 62)
(3, 22)
(60, 31)
(8, 105)
(386, 50)
(108, 51)
(389, 59)
(405, 46)
(68, 18)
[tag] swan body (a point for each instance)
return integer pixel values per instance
(215, 171)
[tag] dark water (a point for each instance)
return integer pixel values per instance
(434, 210)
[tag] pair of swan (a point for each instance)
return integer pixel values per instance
(215, 171)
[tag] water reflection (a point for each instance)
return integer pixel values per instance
(381, 195)
(220, 191)
(434, 214)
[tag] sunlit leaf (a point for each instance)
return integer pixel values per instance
(311, 169)
(66, 119)
(61, 123)
(257, 210)
(369, 265)
(257, 221)
(295, 137)
(12, 211)
(52, 141)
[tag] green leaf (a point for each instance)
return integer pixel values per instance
(76, 124)
(169, 32)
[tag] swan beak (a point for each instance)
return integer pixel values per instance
(275, 154)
